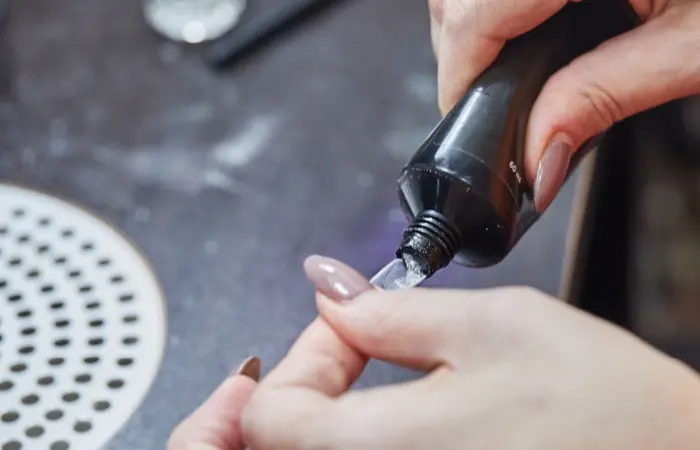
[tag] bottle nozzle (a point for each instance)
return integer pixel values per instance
(430, 242)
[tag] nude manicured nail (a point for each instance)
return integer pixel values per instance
(551, 172)
(334, 279)
(250, 368)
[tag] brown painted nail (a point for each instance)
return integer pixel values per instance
(551, 172)
(334, 279)
(250, 368)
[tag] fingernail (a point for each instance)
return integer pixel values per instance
(551, 172)
(250, 368)
(335, 280)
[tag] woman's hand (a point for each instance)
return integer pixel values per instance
(650, 65)
(506, 369)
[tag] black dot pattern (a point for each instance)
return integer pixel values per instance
(70, 330)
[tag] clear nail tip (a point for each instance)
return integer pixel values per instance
(399, 274)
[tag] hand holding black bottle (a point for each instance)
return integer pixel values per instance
(464, 191)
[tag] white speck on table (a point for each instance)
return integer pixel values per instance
(240, 149)
(422, 87)
(142, 215)
(191, 172)
(365, 180)
(211, 248)
(402, 144)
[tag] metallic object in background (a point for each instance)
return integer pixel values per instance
(261, 29)
(193, 21)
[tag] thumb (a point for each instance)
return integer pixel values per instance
(643, 68)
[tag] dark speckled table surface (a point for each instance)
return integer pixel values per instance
(228, 180)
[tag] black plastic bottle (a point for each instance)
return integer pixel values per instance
(464, 191)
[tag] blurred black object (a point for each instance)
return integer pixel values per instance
(681, 119)
(4, 13)
(601, 272)
(5, 50)
(259, 31)
(639, 246)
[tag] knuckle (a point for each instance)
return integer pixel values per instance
(517, 293)
(330, 373)
(437, 9)
(380, 321)
(505, 311)
(604, 108)
(458, 13)
(519, 300)
(481, 16)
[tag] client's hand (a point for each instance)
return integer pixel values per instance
(507, 369)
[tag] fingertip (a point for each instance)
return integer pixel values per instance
(231, 397)
(336, 280)
(330, 308)
(451, 86)
(449, 73)
(251, 368)
(552, 171)
(435, 33)
(445, 84)
(437, 10)
(553, 118)
(462, 59)
(445, 106)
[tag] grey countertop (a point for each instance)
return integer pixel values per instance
(227, 181)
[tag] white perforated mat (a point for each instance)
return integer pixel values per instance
(82, 325)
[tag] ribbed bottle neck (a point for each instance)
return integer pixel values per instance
(431, 240)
